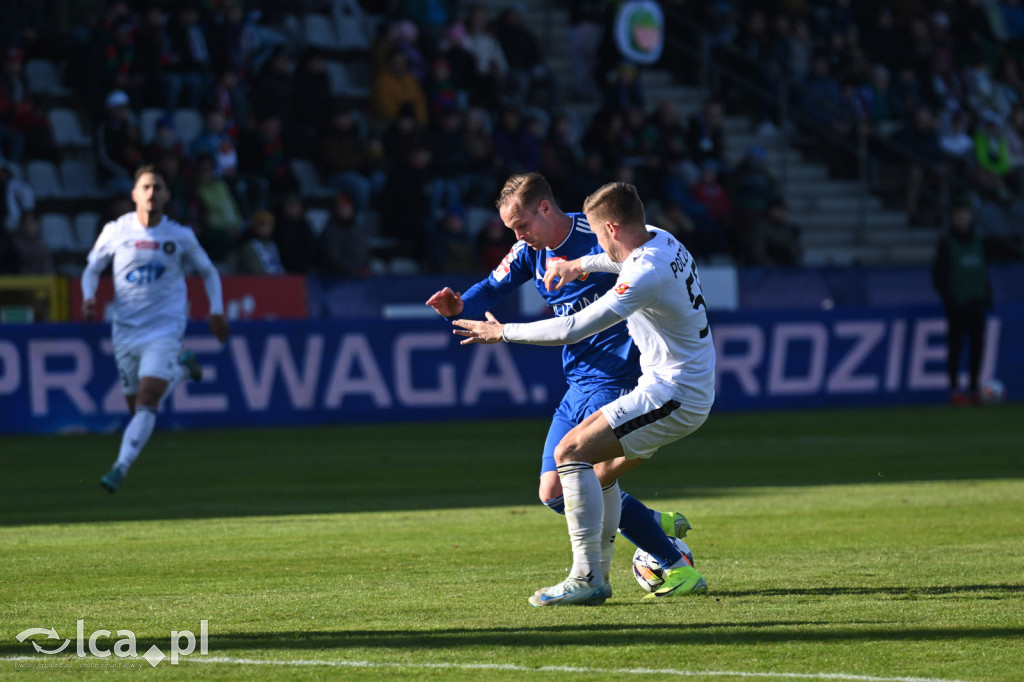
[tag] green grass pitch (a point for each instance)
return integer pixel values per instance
(856, 544)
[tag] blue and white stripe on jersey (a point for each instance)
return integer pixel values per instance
(606, 357)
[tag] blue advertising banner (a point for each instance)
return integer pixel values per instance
(59, 378)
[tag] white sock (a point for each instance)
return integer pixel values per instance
(610, 527)
(584, 509)
(136, 434)
(180, 375)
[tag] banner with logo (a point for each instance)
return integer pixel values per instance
(61, 377)
(245, 298)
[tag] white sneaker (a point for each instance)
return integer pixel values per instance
(571, 591)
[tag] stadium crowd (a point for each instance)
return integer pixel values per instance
(387, 142)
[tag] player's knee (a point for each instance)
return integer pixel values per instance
(568, 450)
(147, 398)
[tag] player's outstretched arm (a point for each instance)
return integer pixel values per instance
(447, 303)
(560, 273)
(479, 331)
(220, 327)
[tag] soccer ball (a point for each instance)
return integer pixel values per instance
(992, 391)
(647, 570)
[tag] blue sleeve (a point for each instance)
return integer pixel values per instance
(514, 270)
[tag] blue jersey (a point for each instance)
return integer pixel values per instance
(608, 357)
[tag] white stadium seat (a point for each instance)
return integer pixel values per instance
(67, 129)
(57, 233)
(42, 178)
(87, 227)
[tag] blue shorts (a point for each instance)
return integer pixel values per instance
(577, 404)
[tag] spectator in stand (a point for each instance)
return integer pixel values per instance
(1015, 136)
(16, 196)
(918, 144)
(947, 89)
(406, 203)
(452, 246)
(344, 158)
(960, 276)
(516, 143)
(271, 90)
(623, 88)
(394, 86)
(184, 205)
(493, 85)
(118, 144)
(233, 41)
(221, 217)
(344, 244)
(165, 141)
(294, 236)
(586, 26)
(9, 262)
(156, 59)
(231, 98)
(910, 91)
(776, 239)
(432, 16)
(18, 111)
(525, 60)
(120, 65)
(883, 105)
(586, 178)
(405, 36)
(603, 134)
(799, 49)
(992, 154)
(258, 254)
(983, 91)
(561, 153)
(753, 188)
(493, 242)
(442, 93)
(214, 141)
(33, 253)
(192, 59)
(955, 140)
(706, 137)
(820, 99)
(312, 103)
(710, 192)
(457, 184)
(264, 162)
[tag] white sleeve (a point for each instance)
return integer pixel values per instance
(205, 267)
(559, 331)
(600, 262)
(99, 257)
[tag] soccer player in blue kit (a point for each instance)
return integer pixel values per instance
(598, 369)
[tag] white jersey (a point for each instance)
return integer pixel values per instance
(658, 294)
(150, 298)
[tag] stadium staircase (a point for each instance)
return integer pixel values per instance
(829, 211)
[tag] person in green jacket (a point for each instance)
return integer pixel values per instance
(960, 275)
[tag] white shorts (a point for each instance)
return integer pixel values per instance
(155, 358)
(649, 417)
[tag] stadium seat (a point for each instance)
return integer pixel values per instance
(147, 123)
(57, 233)
(309, 180)
(345, 82)
(78, 178)
(319, 31)
(188, 123)
(42, 177)
(43, 78)
(353, 27)
(87, 226)
(477, 217)
(67, 129)
(404, 266)
(318, 218)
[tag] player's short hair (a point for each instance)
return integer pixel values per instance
(147, 168)
(616, 202)
(529, 188)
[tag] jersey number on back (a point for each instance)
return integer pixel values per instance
(698, 300)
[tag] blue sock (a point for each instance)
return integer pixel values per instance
(556, 504)
(642, 527)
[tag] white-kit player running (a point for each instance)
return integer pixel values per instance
(658, 294)
(148, 251)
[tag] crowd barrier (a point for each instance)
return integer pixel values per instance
(58, 378)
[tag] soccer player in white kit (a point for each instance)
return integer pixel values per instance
(148, 251)
(658, 294)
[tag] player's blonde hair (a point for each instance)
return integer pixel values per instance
(529, 188)
(616, 202)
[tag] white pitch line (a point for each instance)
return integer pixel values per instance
(527, 669)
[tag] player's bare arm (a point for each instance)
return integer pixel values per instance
(446, 302)
(560, 273)
(479, 331)
(220, 327)
(89, 309)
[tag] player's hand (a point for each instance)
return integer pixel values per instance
(446, 302)
(561, 272)
(220, 327)
(89, 309)
(479, 331)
